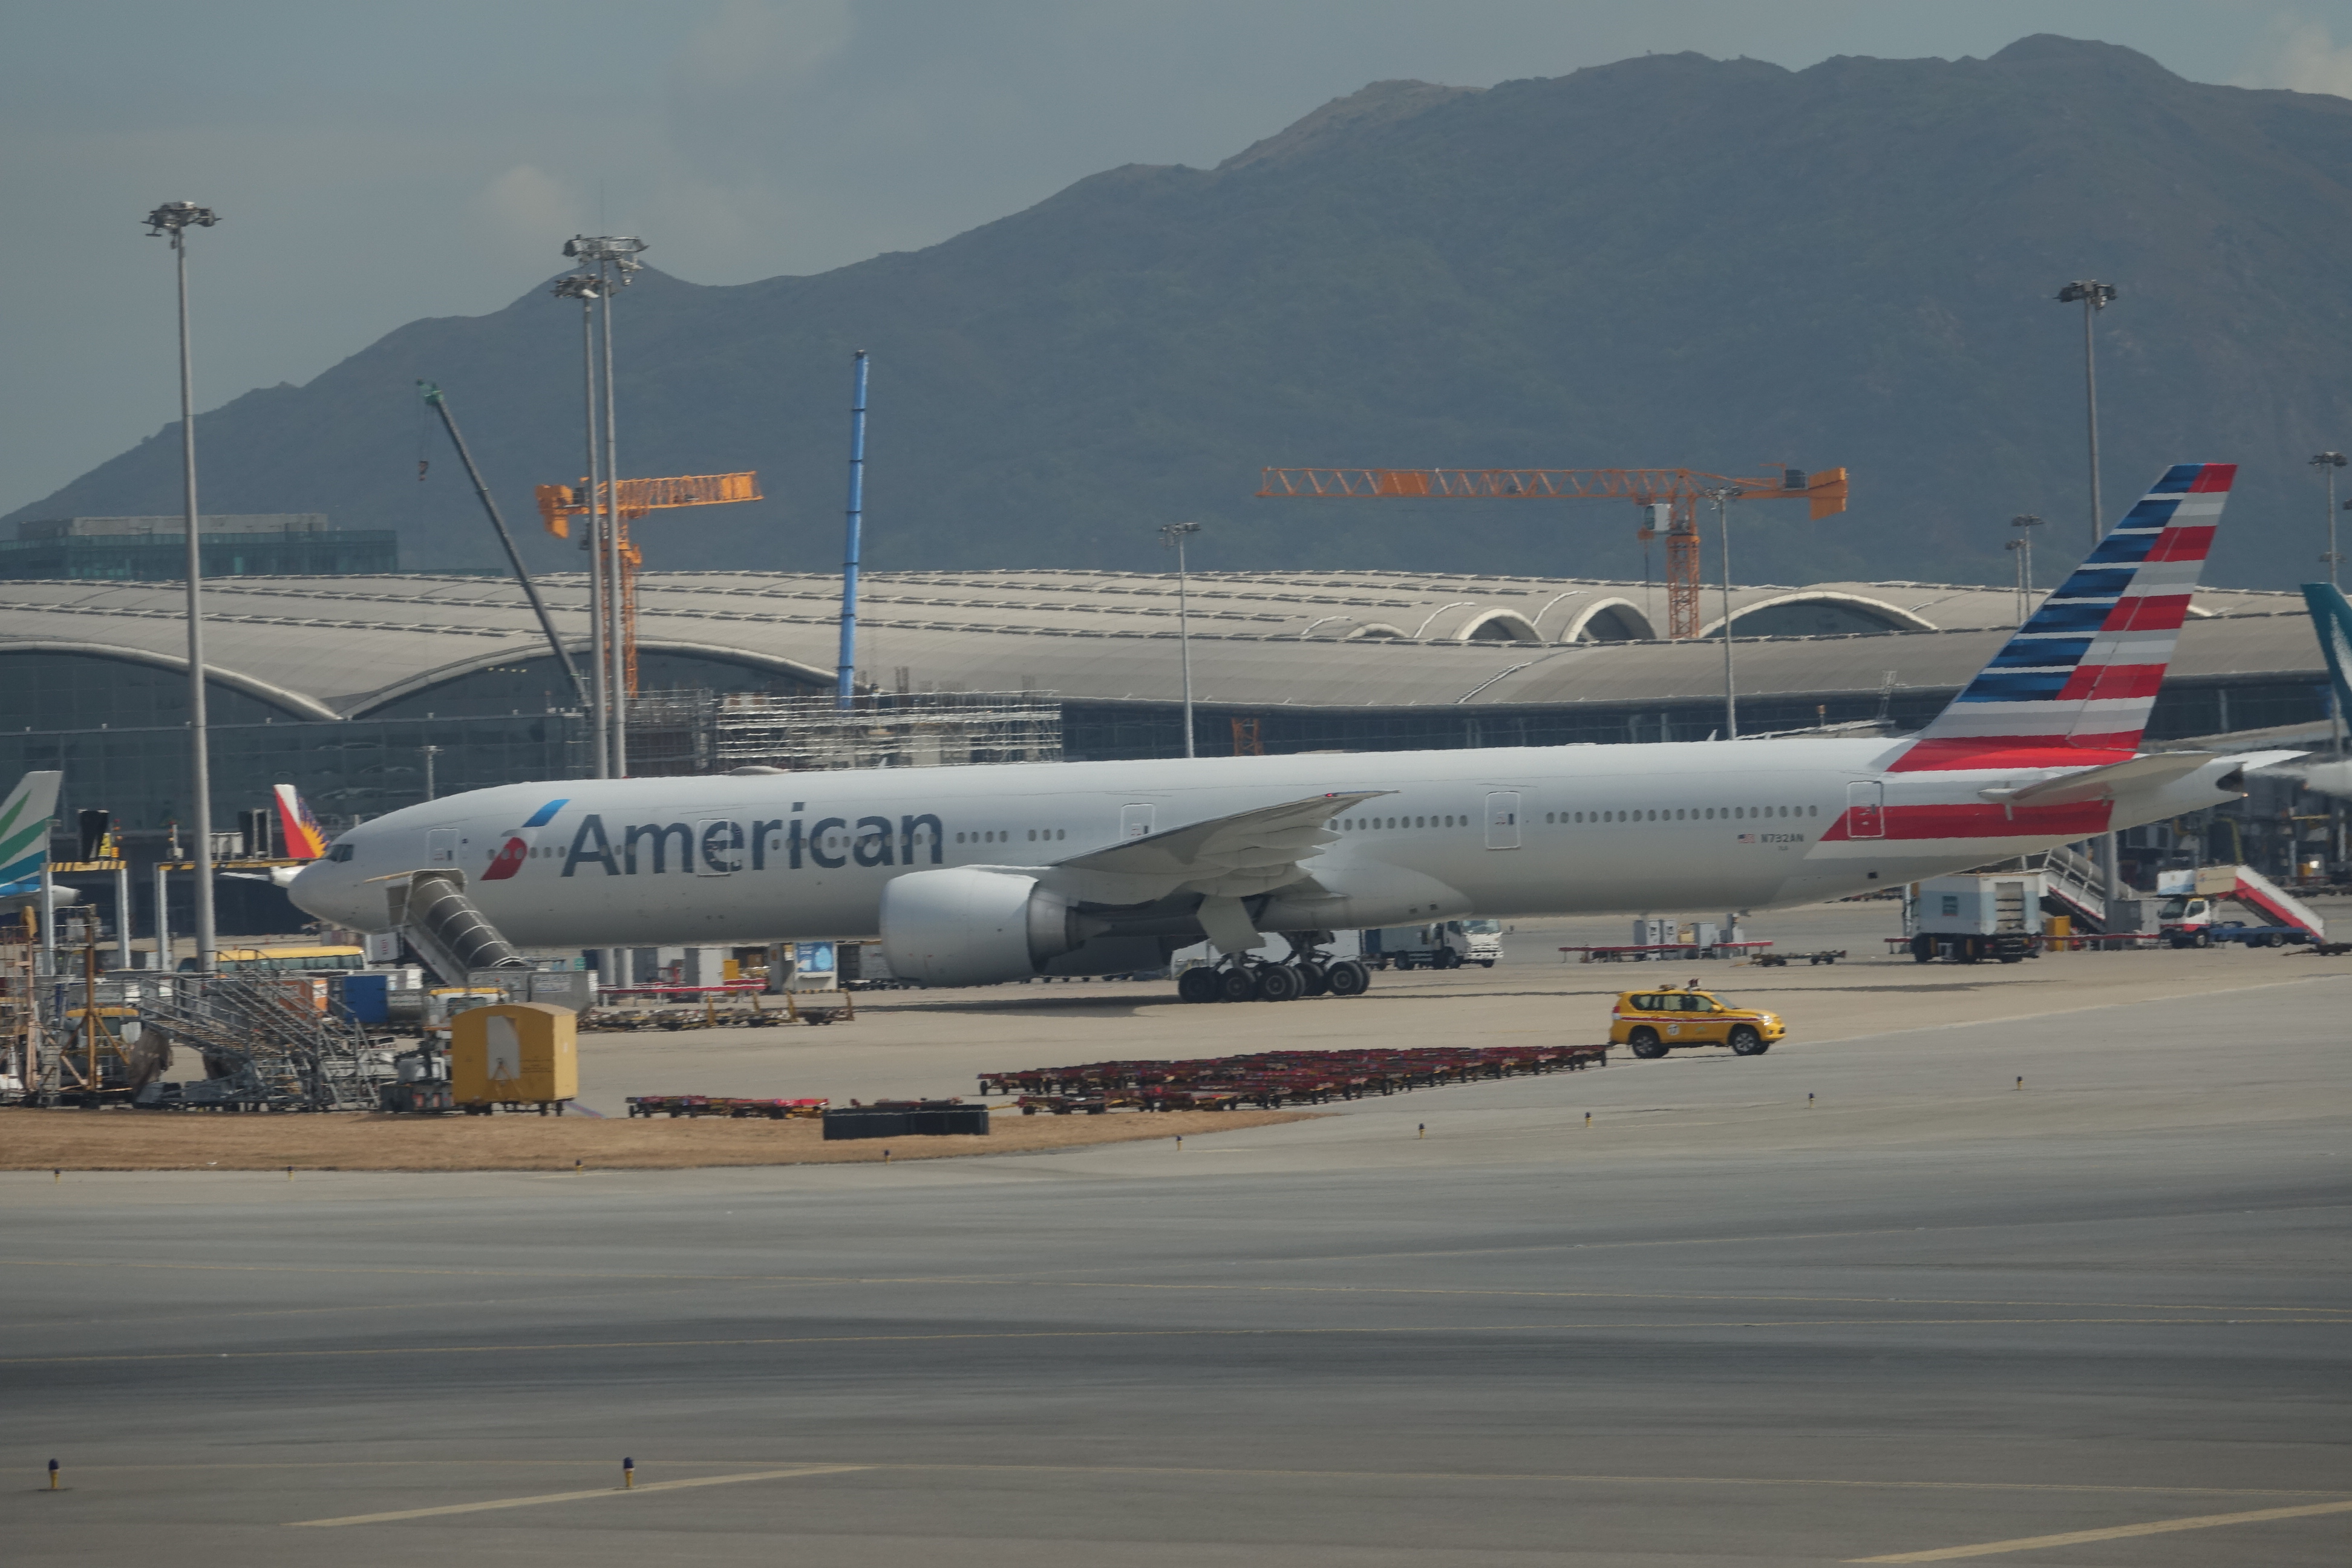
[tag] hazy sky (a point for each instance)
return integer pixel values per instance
(377, 163)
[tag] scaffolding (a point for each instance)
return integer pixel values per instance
(670, 733)
(268, 1042)
(884, 729)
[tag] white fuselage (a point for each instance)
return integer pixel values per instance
(1503, 833)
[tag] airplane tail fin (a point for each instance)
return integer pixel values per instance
(304, 839)
(2075, 683)
(2331, 618)
(25, 818)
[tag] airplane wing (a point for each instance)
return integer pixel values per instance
(1239, 856)
(2151, 772)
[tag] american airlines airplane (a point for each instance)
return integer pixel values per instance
(976, 875)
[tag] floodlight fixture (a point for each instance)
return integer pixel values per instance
(172, 217)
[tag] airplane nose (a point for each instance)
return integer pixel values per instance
(317, 890)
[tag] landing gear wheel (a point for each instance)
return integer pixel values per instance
(1646, 1044)
(1279, 982)
(1347, 978)
(1313, 979)
(1747, 1042)
(1236, 985)
(1197, 985)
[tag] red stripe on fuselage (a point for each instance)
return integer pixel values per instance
(1910, 823)
(2014, 753)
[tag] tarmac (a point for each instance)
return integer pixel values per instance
(2043, 1263)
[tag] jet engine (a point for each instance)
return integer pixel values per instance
(965, 926)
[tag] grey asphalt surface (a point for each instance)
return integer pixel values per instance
(1930, 1310)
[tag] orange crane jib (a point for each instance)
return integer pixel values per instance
(558, 504)
(1677, 490)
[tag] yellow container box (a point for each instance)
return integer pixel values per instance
(514, 1052)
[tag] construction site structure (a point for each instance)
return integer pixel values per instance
(1669, 497)
(884, 729)
(627, 502)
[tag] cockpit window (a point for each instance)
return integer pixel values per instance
(341, 852)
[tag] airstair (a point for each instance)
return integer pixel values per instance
(2071, 886)
(454, 937)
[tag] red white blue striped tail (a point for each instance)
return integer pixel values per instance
(2079, 679)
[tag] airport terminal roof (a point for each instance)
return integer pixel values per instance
(340, 646)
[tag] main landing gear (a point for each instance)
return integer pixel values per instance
(1306, 973)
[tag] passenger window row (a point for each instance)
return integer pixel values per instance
(1005, 836)
(1693, 814)
(1383, 824)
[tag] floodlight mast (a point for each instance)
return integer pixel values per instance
(585, 287)
(2095, 297)
(2024, 543)
(1719, 496)
(853, 546)
(2327, 463)
(1175, 533)
(615, 258)
(172, 220)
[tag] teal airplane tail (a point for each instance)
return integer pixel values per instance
(2331, 616)
(25, 818)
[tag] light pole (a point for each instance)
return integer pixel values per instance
(2327, 463)
(1175, 533)
(2093, 297)
(582, 287)
(2024, 543)
(845, 686)
(430, 752)
(173, 219)
(1731, 692)
(616, 258)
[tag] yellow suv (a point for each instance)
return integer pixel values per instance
(1655, 1022)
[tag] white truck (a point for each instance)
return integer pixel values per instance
(2196, 902)
(1971, 918)
(1447, 944)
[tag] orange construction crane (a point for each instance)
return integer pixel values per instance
(1666, 495)
(558, 504)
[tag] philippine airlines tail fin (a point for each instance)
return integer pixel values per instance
(2075, 683)
(300, 831)
(24, 831)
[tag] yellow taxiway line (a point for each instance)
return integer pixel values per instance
(570, 1497)
(2114, 1533)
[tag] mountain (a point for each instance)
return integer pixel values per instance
(1670, 260)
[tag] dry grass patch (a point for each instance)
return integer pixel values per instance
(200, 1141)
